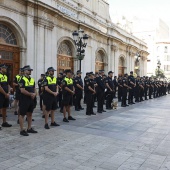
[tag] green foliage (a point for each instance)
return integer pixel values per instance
(159, 73)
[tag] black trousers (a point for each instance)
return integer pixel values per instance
(78, 97)
(89, 103)
(146, 93)
(131, 94)
(109, 98)
(124, 96)
(150, 92)
(119, 93)
(41, 101)
(100, 99)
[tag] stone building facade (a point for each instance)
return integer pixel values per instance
(39, 33)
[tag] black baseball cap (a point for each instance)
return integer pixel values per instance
(68, 71)
(27, 67)
(110, 72)
(3, 66)
(79, 72)
(51, 69)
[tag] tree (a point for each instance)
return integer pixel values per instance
(159, 73)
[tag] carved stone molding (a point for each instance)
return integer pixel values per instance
(114, 48)
(43, 23)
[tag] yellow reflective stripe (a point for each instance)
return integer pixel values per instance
(27, 82)
(3, 78)
(69, 81)
(51, 81)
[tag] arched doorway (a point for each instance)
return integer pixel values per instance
(9, 51)
(65, 57)
(100, 58)
(121, 66)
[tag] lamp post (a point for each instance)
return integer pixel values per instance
(137, 59)
(159, 65)
(80, 40)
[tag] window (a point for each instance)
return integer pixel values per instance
(166, 49)
(167, 67)
(7, 36)
(65, 49)
(5, 55)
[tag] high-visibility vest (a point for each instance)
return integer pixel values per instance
(18, 77)
(69, 81)
(51, 81)
(3, 78)
(29, 83)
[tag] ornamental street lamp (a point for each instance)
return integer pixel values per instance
(159, 65)
(137, 57)
(80, 40)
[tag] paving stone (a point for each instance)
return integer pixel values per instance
(134, 138)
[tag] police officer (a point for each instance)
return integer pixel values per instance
(39, 89)
(78, 85)
(85, 89)
(59, 97)
(27, 100)
(4, 94)
(132, 84)
(125, 87)
(90, 85)
(17, 89)
(100, 92)
(50, 97)
(115, 83)
(151, 86)
(68, 92)
(110, 90)
(119, 88)
(146, 87)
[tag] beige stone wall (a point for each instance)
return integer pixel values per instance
(41, 27)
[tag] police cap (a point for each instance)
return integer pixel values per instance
(110, 72)
(79, 72)
(68, 71)
(21, 69)
(42, 75)
(27, 67)
(61, 74)
(131, 72)
(101, 71)
(3, 66)
(51, 69)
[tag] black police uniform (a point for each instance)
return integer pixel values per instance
(137, 90)
(4, 102)
(89, 97)
(146, 89)
(40, 91)
(26, 103)
(109, 94)
(124, 92)
(119, 89)
(86, 78)
(50, 101)
(131, 91)
(67, 96)
(17, 78)
(78, 93)
(59, 97)
(100, 93)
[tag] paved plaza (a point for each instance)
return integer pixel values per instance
(132, 138)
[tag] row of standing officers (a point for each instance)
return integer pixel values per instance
(68, 89)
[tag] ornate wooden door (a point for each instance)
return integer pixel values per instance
(11, 57)
(64, 62)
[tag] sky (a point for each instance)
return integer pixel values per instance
(141, 8)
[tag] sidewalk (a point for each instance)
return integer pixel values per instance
(131, 138)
